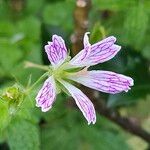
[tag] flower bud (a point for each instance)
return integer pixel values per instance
(13, 96)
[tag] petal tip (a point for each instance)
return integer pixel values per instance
(54, 36)
(89, 123)
(46, 47)
(49, 42)
(86, 33)
(37, 105)
(45, 109)
(131, 82)
(92, 121)
(113, 38)
(119, 47)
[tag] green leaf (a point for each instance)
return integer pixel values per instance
(7, 29)
(72, 134)
(113, 4)
(93, 139)
(18, 41)
(32, 7)
(4, 117)
(30, 27)
(136, 24)
(98, 33)
(69, 129)
(23, 135)
(59, 14)
(53, 137)
(7, 58)
(146, 52)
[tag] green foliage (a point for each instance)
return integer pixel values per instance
(128, 20)
(63, 17)
(6, 52)
(80, 136)
(23, 36)
(114, 4)
(18, 42)
(4, 117)
(136, 24)
(22, 134)
(32, 8)
(98, 32)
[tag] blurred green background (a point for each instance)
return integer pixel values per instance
(25, 27)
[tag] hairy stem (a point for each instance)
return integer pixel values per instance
(35, 83)
(29, 64)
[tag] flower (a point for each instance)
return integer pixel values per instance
(64, 70)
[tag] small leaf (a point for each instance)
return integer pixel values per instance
(23, 135)
(98, 33)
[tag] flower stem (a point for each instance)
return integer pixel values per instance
(35, 83)
(29, 64)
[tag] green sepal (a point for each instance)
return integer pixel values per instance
(62, 88)
(72, 70)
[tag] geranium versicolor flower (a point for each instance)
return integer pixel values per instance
(64, 70)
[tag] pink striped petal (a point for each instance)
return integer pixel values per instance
(82, 101)
(104, 81)
(97, 53)
(56, 50)
(46, 95)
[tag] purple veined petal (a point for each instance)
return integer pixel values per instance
(81, 56)
(56, 51)
(104, 81)
(47, 95)
(96, 53)
(82, 101)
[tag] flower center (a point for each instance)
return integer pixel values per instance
(59, 72)
(62, 72)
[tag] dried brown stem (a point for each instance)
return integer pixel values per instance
(125, 123)
(81, 24)
(17, 5)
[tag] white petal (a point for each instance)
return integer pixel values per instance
(82, 101)
(86, 40)
(96, 53)
(46, 95)
(104, 81)
(56, 51)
